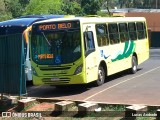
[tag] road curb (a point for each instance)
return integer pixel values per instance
(62, 107)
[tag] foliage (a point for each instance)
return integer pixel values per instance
(14, 8)
(90, 7)
(2, 4)
(44, 7)
(71, 8)
(24, 3)
(4, 14)
(103, 14)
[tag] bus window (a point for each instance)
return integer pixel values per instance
(132, 31)
(145, 30)
(102, 35)
(89, 41)
(140, 30)
(123, 32)
(76, 41)
(113, 33)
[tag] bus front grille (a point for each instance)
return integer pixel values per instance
(48, 81)
(54, 68)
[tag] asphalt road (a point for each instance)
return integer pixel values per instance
(122, 88)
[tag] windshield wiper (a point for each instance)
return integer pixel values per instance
(46, 38)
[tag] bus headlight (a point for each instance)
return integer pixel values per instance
(34, 72)
(78, 69)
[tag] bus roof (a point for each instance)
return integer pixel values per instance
(24, 22)
(28, 20)
(43, 16)
(18, 25)
(96, 19)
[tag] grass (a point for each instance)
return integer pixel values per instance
(107, 112)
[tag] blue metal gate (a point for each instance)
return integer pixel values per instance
(12, 68)
(155, 42)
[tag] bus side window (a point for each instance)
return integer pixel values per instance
(132, 31)
(102, 35)
(140, 30)
(89, 41)
(113, 33)
(123, 32)
(145, 30)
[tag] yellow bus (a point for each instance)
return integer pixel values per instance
(81, 50)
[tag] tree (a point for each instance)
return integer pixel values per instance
(2, 5)
(4, 14)
(71, 8)
(14, 7)
(24, 3)
(44, 7)
(147, 3)
(90, 7)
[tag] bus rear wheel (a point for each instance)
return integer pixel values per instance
(133, 69)
(101, 76)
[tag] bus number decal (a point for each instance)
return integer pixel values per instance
(45, 56)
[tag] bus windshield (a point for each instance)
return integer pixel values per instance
(56, 47)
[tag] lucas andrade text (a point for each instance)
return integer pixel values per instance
(144, 114)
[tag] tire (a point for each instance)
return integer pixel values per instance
(101, 76)
(133, 69)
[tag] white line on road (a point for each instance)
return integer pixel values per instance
(121, 83)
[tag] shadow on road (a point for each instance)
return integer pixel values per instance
(119, 75)
(68, 90)
(59, 91)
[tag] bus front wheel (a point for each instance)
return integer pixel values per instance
(133, 69)
(101, 76)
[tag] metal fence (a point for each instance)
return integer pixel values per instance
(12, 68)
(155, 39)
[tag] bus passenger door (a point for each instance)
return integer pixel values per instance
(90, 55)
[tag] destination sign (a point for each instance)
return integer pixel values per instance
(58, 26)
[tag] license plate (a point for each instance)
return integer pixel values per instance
(55, 79)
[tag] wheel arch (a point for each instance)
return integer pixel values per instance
(135, 54)
(104, 65)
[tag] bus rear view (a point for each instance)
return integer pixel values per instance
(56, 53)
